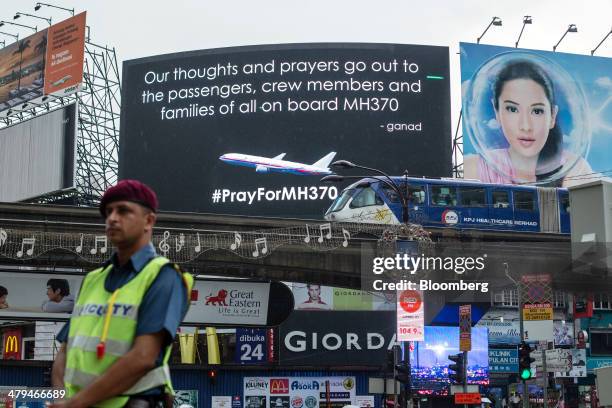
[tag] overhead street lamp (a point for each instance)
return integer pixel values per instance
(526, 20)
(570, 29)
(496, 21)
(19, 14)
(39, 5)
(345, 164)
(601, 42)
(35, 28)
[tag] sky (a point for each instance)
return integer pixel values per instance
(138, 28)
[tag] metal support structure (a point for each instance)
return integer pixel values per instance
(97, 144)
(465, 364)
(458, 150)
(408, 384)
(601, 42)
(526, 20)
(545, 375)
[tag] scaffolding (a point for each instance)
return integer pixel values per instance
(97, 141)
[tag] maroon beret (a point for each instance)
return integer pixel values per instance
(129, 190)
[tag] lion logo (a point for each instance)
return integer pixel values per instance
(218, 300)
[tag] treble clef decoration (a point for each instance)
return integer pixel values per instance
(164, 247)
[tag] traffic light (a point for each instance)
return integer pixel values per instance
(402, 372)
(390, 360)
(212, 376)
(525, 361)
(459, 368)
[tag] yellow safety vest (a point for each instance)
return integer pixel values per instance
(103, 329)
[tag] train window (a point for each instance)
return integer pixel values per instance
(443, 195)
(365, 198)
(416, 194)
(565, 205)
(390, 193)
(501, 199)
(341, 201)
(524, 200)
(473, 196)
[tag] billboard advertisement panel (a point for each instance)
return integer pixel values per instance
(336, 338)
(535, 117)
(49, 62)
(297, 392)
(252, 130)
(430, 361)
(37, 295)
(38, 156)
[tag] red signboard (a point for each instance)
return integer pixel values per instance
(11, 344)
(467, 398)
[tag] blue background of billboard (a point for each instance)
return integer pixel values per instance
(588, 71)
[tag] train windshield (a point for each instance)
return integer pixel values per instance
(341, 201)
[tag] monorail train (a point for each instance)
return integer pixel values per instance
(455, 203)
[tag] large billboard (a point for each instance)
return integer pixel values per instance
(47, 63)
(336, 338)
(535, 117)
(252, 130)
(38, 156)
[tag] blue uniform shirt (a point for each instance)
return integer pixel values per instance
(163, 306)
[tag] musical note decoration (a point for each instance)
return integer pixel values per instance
(198, 247)
(264, 243)
(237, 242)
(3, 236)
(79, 247)
(307, 237)
(328, 235)
(164, 247)
(186, 246)
(104, 240)
(180, 242)
(29, 251)
(347, 236)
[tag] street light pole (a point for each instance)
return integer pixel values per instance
(404, 201)
(520, 311)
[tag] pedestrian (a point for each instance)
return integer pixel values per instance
(3, 295)
(115, 348)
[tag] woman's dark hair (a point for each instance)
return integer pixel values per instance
(3, 291)
(552, 148)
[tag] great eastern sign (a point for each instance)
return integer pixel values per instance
(337, 338)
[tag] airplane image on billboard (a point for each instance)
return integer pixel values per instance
(278, 165)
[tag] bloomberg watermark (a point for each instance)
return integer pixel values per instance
(409, 272)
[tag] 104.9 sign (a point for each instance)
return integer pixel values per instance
(251, 346)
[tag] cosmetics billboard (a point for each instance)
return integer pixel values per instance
(535, 117)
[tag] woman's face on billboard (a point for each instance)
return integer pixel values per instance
(525, 116)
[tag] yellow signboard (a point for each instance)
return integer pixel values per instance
(539, 311)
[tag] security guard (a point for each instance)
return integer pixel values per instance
(116, 347)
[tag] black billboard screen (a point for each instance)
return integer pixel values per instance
(251, 130)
